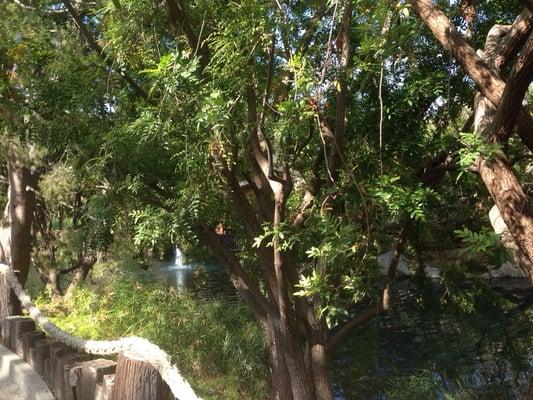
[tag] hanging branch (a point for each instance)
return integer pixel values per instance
(384, 31)
(94, 46)
(383, 306)
(179, 21)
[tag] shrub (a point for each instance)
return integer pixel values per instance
(214, 342)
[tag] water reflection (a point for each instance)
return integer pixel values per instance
(205, 280)
(424, 350)
(176, 273)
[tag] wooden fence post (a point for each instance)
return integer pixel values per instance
(92, 375)
(138, 380)
(12, 330)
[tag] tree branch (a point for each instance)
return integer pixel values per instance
(515, 90)
(343, 41)
(312, 27)
(243, 283)
(528, 4)
(514, 39)
(94, 46)
(487, 80)
(382, 307)
(179, 21)
(264, 161)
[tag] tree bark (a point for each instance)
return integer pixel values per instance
(279, 372)
(515, 90)
(511, 201)
(496, 172)
(21, 207)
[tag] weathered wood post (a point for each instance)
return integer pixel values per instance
(28, 342)
(92, 374)
(104, 390)
(138, 380)
(12, 330)
(39, 353)
(57, 351)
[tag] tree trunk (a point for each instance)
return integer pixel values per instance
(498, 175)
(281, 383)
(291, 378)
(54, 283)
(512, 202)
(21, 206)
(318, 358)
(78, 278)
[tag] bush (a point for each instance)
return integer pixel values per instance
(214, 342)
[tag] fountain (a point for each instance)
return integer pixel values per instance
(178, 260)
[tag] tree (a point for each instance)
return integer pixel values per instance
(318, 134)
(505, 106)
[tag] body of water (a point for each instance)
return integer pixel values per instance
(431, 350)
(423, 349)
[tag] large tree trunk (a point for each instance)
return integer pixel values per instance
(296, 349)
(483, 68)
(279, 372)
(496, 173)
(21, 206)
(512, 203)
(292, 379)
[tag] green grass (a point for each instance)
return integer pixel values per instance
(215, 343)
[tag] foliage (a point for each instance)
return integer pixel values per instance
(58, 185)
(402, 202)
(475, 147)
(217, 347)
(149, 142)
(483, 244)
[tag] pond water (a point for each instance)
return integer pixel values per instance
(421, 350)
(433, 351)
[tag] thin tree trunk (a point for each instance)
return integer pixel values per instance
(21, 206)
(78, 278)
(300, 381)
(54, 283)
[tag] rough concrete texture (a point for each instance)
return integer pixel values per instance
(18, 381)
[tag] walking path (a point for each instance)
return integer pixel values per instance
(18, 381)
